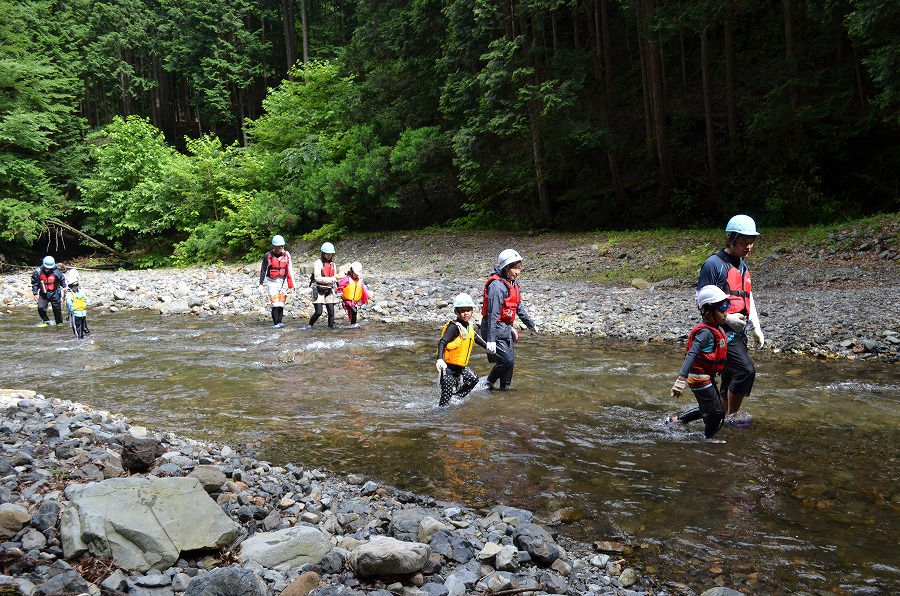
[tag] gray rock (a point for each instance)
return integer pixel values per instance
(211, 477)
(143, 523)
(12, 519)
(405, 523)
(538, 543)
(388, 556)
(227, 581)
(286, 549)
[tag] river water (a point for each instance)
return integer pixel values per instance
(806, 498)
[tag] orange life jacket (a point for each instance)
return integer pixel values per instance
(738, 290)
(510, 305)
(278, 265)
(48, 281)
(714, 362)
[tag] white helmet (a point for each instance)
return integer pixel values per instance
(72, 276)
(742, 224)
(278, 240)
(710, 295)
(463, 301)
(356, 267)
(508, 257)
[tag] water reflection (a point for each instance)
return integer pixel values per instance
(806, 499)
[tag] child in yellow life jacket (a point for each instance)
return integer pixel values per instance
(705, 356)
(76, 303)
(454, 348)
(353, 292)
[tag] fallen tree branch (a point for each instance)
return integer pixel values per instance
(91, 239)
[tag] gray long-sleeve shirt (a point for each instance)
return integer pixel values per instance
(491, 328)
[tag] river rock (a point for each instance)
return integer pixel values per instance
(211, 477)
(143, 523)
(286, 549)
(405, 523)
(227, 581)
(537, 542)
(12, 519)
(387, 557)
(138, 453)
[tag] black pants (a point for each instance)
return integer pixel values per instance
(79, 326)
(352, 311)
(456, 380)
(504, 361)
(317, 312)
(739, 372)
(710, 410)
(43, 302)
(277, 314)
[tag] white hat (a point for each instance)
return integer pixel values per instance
(710, 295)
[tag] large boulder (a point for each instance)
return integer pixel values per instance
(143, 523)
(287, 548)
(387, 557)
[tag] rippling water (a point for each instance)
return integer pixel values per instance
(807, 498)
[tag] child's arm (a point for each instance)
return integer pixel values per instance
(364, 298)
(449, 335)
(479, 341)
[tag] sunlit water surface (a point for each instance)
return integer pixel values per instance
(807, 498)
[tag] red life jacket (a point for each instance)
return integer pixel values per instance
(48, 280)
(278, 265)
(510, 305)
(713, 363)
(328, 270)
(739, 288)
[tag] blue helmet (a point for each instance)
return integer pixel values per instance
(328, 248)
(278, 240)
(49, 262)
(742, 224)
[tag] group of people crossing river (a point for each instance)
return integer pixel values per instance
(717, 346)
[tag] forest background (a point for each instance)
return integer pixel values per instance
(179, 131)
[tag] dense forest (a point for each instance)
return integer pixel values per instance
(188, 130)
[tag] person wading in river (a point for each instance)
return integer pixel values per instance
(705, 358)
(276, 274)
(501, 303)
(454, 348)
(48, 284)
(728, 271)
(324, 283)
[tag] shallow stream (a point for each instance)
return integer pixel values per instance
(806, 498)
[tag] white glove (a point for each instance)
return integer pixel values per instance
(534, 330)
(736, 321)
(491, 347)
(758, 336)
(515, 335)
(678, 387)
(440, 365)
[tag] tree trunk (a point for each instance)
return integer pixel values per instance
(303, 26)
(656, 96)
(730, 103)
(790, 51)
(707, 112)
(290, 34)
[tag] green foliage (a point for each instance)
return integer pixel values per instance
(130, 193)
(873, 25)
(36, 111)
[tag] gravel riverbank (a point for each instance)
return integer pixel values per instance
(824, 303)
